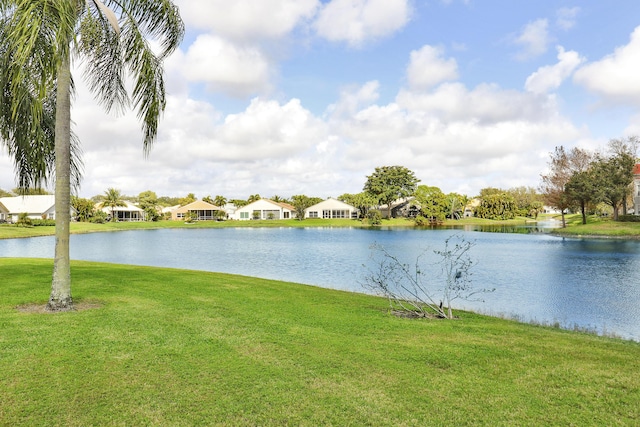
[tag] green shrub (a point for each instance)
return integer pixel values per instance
(374, 216)
(98, 217)
(24, 220)
(629, 218)
(43, 222)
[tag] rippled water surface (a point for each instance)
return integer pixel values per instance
(587, 283)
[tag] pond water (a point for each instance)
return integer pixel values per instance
(592, 284)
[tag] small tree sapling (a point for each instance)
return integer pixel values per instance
(430, 285)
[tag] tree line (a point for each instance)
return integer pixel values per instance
(580, 179)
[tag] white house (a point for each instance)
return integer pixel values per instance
(330, 209)
(36, 207)
(130, 212)
(265, 209)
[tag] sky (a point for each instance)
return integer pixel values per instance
(286, 97)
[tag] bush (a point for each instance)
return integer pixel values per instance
(24, 220)
(421, 221)
(629, 218)
(98, 217)
(43, 222)
(374, 216)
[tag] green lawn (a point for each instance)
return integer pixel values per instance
(12, 231)
(173, 347)
(599, 227)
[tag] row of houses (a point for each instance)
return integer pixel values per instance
(43, 207)
(262, 209)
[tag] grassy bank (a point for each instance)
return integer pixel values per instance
(598, 227)
(12, 231)
(8, 231)
(172, 347)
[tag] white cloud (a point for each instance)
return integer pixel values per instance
(615, 77)
(459, 139)
(248, 20)
(550, 77)
(231, 68)
(534, 39)
(427, 68)
(358, 21)
(566, 17)
(7, 175)
(266, 129)
(353, 98)
(485, 104)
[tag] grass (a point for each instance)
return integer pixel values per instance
(174, 347)
(8, 231)
(13, 231)
(598, 227)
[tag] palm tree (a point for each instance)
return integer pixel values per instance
(220, 201)
(112, 199)
(40, 38)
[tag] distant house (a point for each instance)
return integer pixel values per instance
(330, 209)
(198, 211)
(470, 208)
(636, 189)
(4, 213)
(401, 208)
(130, 212)
(36, 207)
(264, 209)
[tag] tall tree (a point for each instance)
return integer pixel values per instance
(148, 202)
(562, 166)
(615, 176)
(301, 203)
(433, 203)
(626, 149)
(28, 133)
(41, 37)
(362, 201)
(390, 183)
(583, 189)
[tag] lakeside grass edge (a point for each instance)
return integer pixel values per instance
(181, 347)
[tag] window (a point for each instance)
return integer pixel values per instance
(244, 215)
(313, 214)
(180, 215)
(286, 215)
(326, 214)
(340, 214)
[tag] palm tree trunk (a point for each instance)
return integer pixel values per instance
(60, 299)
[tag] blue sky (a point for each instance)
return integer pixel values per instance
(284, 97)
